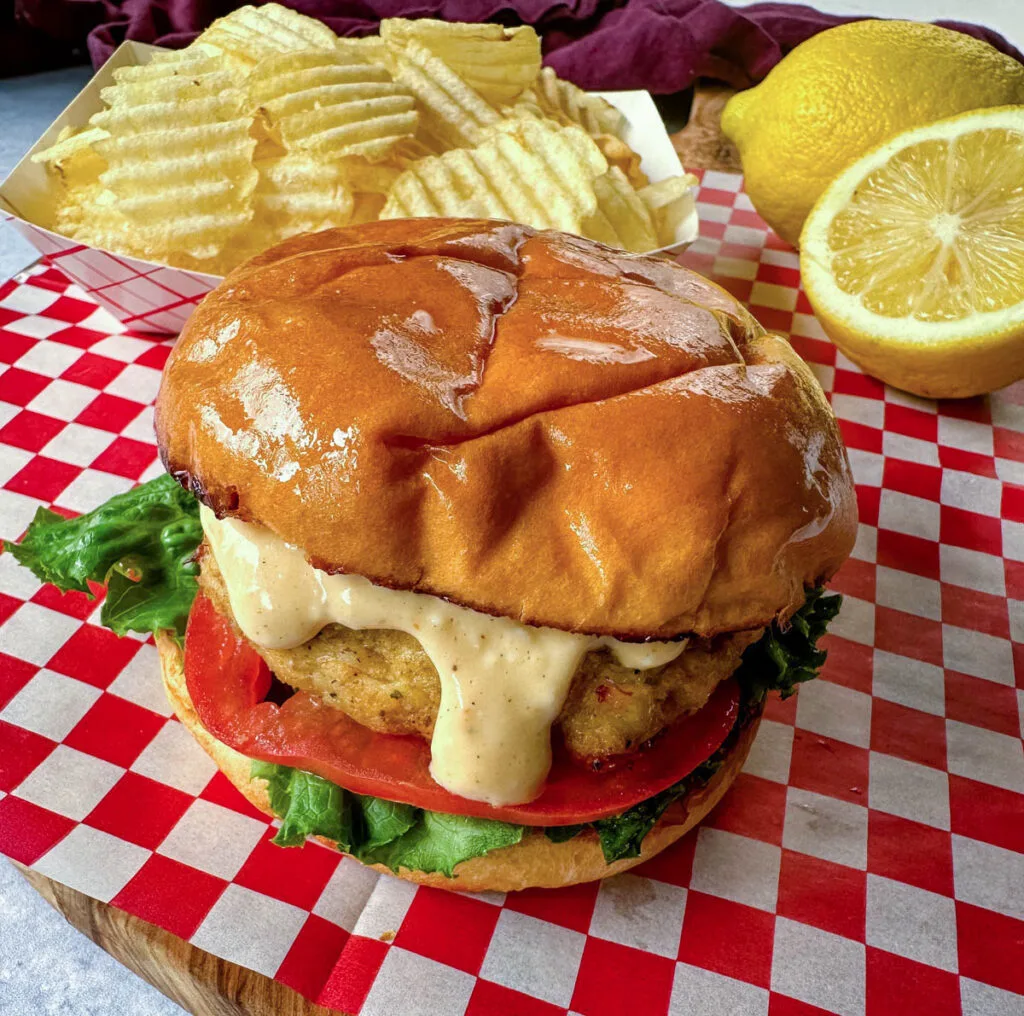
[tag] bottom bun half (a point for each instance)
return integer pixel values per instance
(534, 862)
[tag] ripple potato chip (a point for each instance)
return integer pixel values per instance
(498, 63)
(453, 113)
(622, 219)
(332, 104)
(297, 193)
(529, 171)
(179, 158)
(563, 101)
(670, 202)
(249, 34)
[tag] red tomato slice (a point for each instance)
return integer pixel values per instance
(228, 682)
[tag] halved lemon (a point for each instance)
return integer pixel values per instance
(913, 257)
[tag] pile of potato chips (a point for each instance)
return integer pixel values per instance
(270, 125)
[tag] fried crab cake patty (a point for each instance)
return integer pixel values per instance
(385, 681)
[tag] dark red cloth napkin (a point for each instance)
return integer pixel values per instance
(660, 45)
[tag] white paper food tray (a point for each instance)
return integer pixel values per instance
(150, 297)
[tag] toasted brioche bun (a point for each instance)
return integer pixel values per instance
(526, 423)
(534, 862)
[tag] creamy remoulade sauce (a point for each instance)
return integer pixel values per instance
(503, 684)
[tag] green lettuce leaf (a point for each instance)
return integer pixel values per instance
(277, 778)
(438, 842)
(140, 544)
(315, 807)
(787, 656)
(561, 833)
(384, 821)
(374, 830)
(622, 835)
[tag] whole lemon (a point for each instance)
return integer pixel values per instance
(846, 90)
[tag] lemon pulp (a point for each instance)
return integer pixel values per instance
(936, 233)
(913, 257)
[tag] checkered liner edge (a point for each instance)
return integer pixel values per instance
(141, 295)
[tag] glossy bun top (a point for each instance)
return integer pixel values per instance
(524, 422)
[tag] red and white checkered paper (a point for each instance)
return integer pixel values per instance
(869, 859)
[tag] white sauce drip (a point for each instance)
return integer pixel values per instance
(503, 684)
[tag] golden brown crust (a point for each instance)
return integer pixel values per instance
(611, 709)
(535, 862)
(529, 424)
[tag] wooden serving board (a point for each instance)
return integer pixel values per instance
(201, 983)
(701, 144)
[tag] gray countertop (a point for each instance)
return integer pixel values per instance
(49, 969)
(27, 107)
